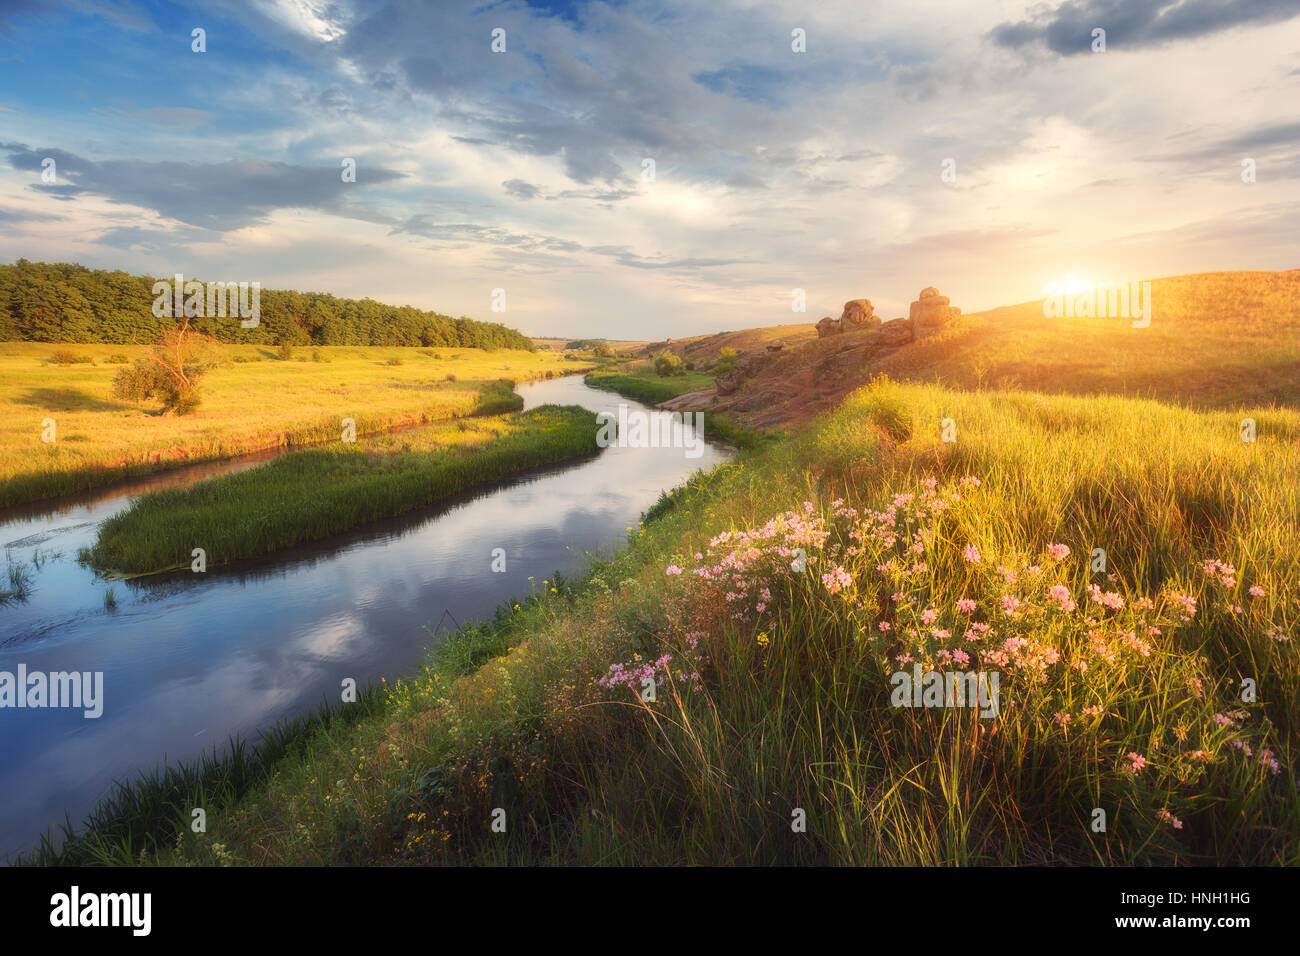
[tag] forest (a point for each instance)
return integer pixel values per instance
(66, 302)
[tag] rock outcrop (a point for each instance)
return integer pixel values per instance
(828, 326)
(931, 310)
(858, 313)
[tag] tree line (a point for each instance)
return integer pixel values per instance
(66, 302)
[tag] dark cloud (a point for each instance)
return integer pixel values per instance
(216, 196)
(1132, 24)
(520, 189)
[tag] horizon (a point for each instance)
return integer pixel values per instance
(988, 152)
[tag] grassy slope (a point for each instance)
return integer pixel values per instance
(259, 402)
(1216, 340)
(794, 707)
(311, 494)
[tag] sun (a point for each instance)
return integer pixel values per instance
(1069, 284)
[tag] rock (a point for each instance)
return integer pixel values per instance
(726, 384)
(894, 333)
(848, 358)
(828, 326)
(775, 346)
(753, 402)
(930, 310)
(858, 313)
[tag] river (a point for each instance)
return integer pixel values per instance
(190, 660)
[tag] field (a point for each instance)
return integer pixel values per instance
(1160, 691)
(253, 400)
(316, 492)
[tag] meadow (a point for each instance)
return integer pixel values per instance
(317, 492)
(771, 601)
(252, 401)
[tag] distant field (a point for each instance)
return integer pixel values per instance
(253, 400)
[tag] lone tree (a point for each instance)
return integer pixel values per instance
(170, 373)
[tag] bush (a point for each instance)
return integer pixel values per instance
(604, 350)
(395, 360)
(318, 356)
(669, 363)
(117, 358)
(285, 352)
(68, 357)
(726, 360)
(143, 380)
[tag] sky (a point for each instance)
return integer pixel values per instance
(647, 170)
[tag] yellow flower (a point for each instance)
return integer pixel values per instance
(762, 639)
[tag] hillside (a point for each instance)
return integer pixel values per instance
(1216, 340)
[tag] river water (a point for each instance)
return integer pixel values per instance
(190, 660)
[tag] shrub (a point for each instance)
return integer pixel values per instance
(318, 356)
(395, 360)
(68, 357)
(285, 352)
(726, 360)
(668, 363)
(117, 358)
(604, 350)
(171, 372)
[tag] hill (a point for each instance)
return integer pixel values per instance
(1216, 340)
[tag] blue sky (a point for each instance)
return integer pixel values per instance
(774, 170)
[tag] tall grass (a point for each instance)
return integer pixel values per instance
(310, 494)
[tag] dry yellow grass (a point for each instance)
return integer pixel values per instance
(252, 401)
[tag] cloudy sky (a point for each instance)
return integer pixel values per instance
(528, 170)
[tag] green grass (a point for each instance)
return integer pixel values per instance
(793, 711)
(643, 385)
(311, 494)
(646, 386)
(250, 402)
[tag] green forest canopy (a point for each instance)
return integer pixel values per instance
(65, 302)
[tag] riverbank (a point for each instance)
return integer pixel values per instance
(253, 401)
(312, 494)
(637, 380)
(775, 734)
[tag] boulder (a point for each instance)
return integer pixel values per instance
(931, 309)
(828, 326)
(775, 346)
(894, 333)
(858, 313)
